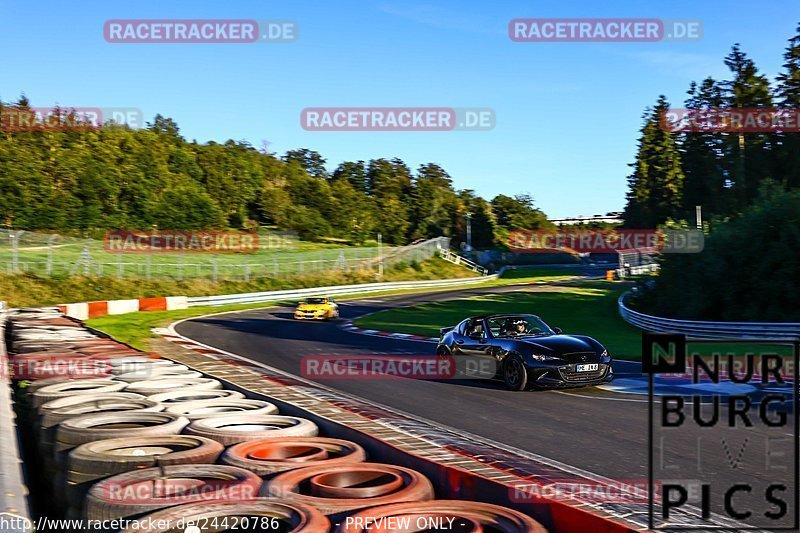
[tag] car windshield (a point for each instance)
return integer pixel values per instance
(313, 301)
(518, 326)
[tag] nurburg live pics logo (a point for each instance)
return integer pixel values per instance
(729, 455)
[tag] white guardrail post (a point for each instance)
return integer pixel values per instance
(14, 515)
(788, 331)
(335, 290)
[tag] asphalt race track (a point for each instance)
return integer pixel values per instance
(600, 431)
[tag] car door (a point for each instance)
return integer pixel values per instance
(475, 340)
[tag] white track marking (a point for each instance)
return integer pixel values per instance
(599, 397)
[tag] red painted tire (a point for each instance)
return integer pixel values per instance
(270, 456)
(351, 486)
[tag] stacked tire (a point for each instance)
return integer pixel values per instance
(146, 437)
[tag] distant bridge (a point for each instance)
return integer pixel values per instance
(608, 218)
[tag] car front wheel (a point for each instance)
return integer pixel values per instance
(514, 374)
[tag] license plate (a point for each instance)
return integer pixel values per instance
(586, 368)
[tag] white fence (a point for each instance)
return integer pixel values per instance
(279, 255)
(363, 288)
(789, 331)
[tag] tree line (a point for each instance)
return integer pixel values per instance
(81, 180)
(720, 171)
(748, 185)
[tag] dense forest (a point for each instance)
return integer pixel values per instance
(748, 185)
(720, 171)
(83, 179)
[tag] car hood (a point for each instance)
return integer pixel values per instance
(312, 307)
(561, 344)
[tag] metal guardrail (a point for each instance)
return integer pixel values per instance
(272, 296)
(789, 331)
(13, 492)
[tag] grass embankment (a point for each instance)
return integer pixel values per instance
(531, 275)
(588, 308)
(24, 290)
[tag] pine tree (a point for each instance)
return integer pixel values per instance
(704, 183)
(788, 96)
(748, 156)
(656, 184)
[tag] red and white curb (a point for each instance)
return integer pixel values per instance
(350, 327)
(86, 310)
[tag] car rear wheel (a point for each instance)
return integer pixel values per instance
(514, 374)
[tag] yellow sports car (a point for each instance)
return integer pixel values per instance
(319, 308)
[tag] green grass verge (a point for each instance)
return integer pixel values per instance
(134, 328)
(23, 290)
(587, 308)
(530, 275)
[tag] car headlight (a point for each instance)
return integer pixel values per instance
(604, 356)
(539, 357)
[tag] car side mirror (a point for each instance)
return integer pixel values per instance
(558, 331)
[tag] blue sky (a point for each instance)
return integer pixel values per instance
(568, 114)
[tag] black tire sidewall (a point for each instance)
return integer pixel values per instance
(523, 384)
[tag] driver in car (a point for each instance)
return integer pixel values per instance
(516, 328)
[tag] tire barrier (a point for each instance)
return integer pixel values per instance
(125, 365)
(137, 362)
(451, 515)
(56, 411)
(266, 457)
(178, 396)
(72, 387)
(34, 386)
(163, 372)
(91, 462)
(138, 492)
(142, 439)
(233, 429)
(88, 428)
(221, 407)
(260, 514)
(104, 458)
(154, 386)
(349, 487)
